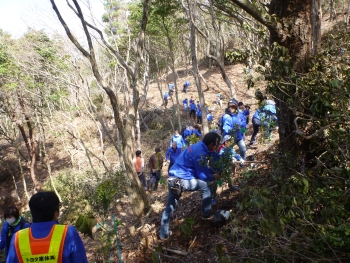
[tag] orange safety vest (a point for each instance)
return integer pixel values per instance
(48, 249)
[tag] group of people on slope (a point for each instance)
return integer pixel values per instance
(44, 240)
(171, 90)
(155, 164)
(234, 123)
(196, 167)
(195, 110)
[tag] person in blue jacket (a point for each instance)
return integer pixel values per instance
(185, 86)
(197, 131)
(166, 98)
(44, 207)
(220, 123)
(193, 110)
(234, 124)
(264, 116)
(228, 156)
(199, 116)
(172, 153)
(198, 105)
(192, 171)
(171, 88)
(178, 139)
(13, 223)
(187, 132)
(185, 104)
(245, 110)
(210, 118)
(192, 100)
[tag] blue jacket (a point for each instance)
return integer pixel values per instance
(172, 154)
(179, 140)
(192, 100)
(193, 106)
(185, 102)
(73, 249)
(187, 132)
(266, 113)
(166, 95)
(193, 163)
(4, 240)
(234, 122)
(197, 133)
(199, 112)
(210, 117)
(230, 153)
(245, 112)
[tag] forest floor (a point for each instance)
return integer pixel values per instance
(199, 246)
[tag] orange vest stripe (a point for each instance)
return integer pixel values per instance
(60, 254)
(48, 249)
(18, 253)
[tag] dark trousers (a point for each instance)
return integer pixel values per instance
(142, 178)
(193, 112)
(170, 164)
(199, 119)
(154, 180)
(256, 127)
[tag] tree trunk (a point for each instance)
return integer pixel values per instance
(347, 14)
(316, 18)
(195, 66)
(46, 154)
(172, 56)
(294, 32)
(30, 143)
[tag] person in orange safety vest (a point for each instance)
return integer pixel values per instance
(46, 240)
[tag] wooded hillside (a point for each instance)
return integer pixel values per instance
(74, 111)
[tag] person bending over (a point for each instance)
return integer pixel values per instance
(192, 172)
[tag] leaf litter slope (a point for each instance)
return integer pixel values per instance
(200, 245)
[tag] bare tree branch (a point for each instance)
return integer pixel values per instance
(260, 14)
(301, 133)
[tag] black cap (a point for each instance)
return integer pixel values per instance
(233, 102)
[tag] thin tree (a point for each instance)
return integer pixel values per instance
(135, 190)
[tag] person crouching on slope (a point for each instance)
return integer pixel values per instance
(192, 172)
